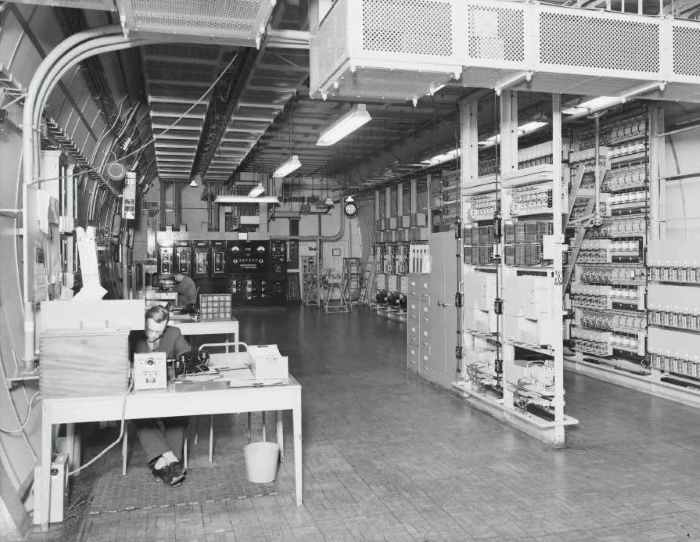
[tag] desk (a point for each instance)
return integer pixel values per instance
(188, 326)
(177, 400)
(161, 297)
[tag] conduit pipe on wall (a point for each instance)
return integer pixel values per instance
(63, 56)
(330, 238)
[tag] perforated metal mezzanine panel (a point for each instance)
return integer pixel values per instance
(418, 27)
(591, 42)
(103, 5)
(567, 50)
(401, 48)
(686, 50)
(495, 32)
(236, 22)
(329, 47)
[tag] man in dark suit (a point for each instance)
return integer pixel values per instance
(186, 290)
(162, 440)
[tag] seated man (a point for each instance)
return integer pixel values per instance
(186, 290)
(162, 444)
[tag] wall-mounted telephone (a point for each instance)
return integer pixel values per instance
(194, 361)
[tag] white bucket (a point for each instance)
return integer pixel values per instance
(261, 460)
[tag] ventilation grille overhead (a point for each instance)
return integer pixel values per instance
(238, 22)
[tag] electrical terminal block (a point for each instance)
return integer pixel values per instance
(481, 207)
(670, 364)
(636, 198)
(625, 178)
(611, 275)
(535, 155)
(680, 275)
(619, 227)
(530, 200)
(625, 129)
(602, 297)
(588, 155)
(592, 342)
(623, 322)
(678, 320)
(605, 250)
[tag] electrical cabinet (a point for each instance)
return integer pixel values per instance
(432, 316)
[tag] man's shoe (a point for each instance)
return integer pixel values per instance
(168, 475)
(177, 473)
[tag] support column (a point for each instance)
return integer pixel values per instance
(377, 206)
(399, 199)
(414, 196)
(387, 202)
(508, 147)
(558, 274)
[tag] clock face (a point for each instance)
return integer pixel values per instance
(350, 209)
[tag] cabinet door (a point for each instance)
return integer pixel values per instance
(441, 291)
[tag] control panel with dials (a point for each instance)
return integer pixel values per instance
(248, 256)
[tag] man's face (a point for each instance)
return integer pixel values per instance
(155, 330)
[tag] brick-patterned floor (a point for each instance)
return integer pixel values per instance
(389, 457)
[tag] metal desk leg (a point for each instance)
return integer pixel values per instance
(45, 468)
(296, 414)
(280, 434)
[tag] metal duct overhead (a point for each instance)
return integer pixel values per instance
(232, 22)
(229, 22)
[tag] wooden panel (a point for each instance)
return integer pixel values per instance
(84, 364)
(103, 314)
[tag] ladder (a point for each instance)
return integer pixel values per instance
(581, 225)
(369, 286)
(351, 280)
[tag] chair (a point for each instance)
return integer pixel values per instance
(221, 359)
(125, 440)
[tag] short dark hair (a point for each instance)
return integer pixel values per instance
(158, 314)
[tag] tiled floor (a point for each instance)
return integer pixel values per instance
(389, 457)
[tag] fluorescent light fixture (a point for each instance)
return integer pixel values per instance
(525, 129)
(435, 90)
(348, 123)
(256, 191)
(223, 198)
(290, 165)
(592, 105)
(442, 158)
